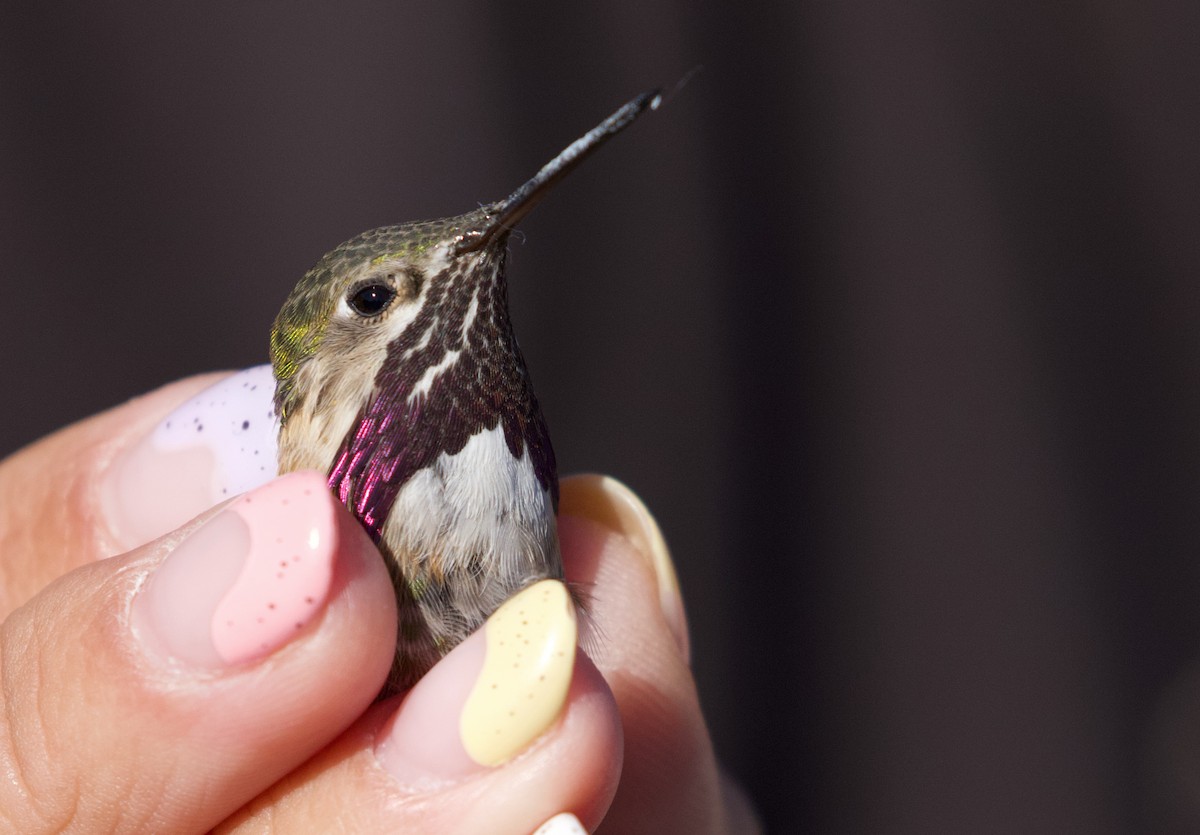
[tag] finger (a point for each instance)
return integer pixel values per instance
(611, 544)
(160, 690)
(510, 729)
(121, 478)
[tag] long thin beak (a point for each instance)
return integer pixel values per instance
(505, 215)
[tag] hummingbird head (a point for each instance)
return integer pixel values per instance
(412, 320)
(362, 296)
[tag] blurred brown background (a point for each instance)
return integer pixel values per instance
(891, 315)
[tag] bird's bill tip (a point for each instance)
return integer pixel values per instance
(507, 213)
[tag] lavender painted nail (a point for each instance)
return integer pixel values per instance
(215, 446)
(235, 419)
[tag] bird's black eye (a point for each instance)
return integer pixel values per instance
(371, 299)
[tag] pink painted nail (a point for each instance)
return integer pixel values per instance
(217, 445)
(491, 697)
(247, 581)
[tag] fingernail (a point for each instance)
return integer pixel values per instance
(564, 824)
(245, 582)
(219, 444)
(491, 696)
(610, 503)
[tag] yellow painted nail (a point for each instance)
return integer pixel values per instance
(526, 673)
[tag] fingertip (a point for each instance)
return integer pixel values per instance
(608, 503)
(192, 736)
(53, 513)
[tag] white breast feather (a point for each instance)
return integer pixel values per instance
(480, 501)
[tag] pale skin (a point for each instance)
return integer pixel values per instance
(93, 738)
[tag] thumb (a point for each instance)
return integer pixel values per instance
(162, 689)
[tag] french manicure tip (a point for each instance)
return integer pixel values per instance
(562, 824)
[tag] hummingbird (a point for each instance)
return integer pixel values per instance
(398, 374)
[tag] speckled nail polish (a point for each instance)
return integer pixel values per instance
(218, 444)
(492, 696)
(247, 581)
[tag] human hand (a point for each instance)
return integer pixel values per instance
(119, 714)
